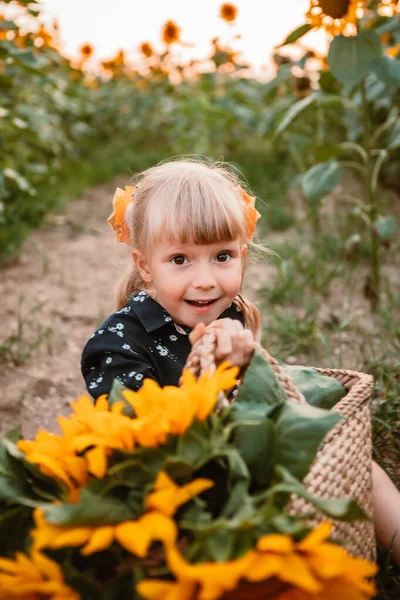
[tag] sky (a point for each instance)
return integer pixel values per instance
(113, 24)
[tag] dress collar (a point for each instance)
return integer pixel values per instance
(153, 316)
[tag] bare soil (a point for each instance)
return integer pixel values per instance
(52, 300)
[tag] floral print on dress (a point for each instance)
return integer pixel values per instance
(139, 296)
(162, 350)
(124, 311)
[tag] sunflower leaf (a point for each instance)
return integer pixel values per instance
(297, 33)
(300, 429)
(351, 58)
(91, 509)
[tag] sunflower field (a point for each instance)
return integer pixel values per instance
(319, 144)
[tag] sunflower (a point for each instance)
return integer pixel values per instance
(334, 15)
(86, 51)
(171, 32)
(146, 49)
(312, 568)
(35, 576)
(228, 12)
(388, 7)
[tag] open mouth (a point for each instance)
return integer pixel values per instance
(201, 302)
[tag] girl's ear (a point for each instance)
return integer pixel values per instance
(141, 264)
(243, 250)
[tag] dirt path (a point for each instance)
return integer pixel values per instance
(51, 302)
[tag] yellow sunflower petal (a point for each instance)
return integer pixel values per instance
(75, 536)
(160, 527)
(133, 537)
(263, 566)
(53, 467)
(102, 403)
(317, 535)
(277, 543)
(27, 566)
(296, 571)
(48, 568)
(101, 539)
(97, 461)
(166, 590)
(8, 565)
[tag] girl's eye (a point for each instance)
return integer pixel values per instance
(223, 257)
(178, 260)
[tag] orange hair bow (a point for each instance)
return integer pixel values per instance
(251, 214)
(121, 200)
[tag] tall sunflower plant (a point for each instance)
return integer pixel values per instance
(358, 86)
(154, 495)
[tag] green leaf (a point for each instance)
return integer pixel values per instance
(91, 509)
(192, 447)
(343, 509)
(294, 111)
(296, 34)
(116, 395)
(394, 138)
(260, 385)
(319, 390)
(14, 434)
(8, 26)
(22, 183)
(15, 525)
(351, 58)
(300, 429)
(318, 181)
(220, 544)
(13, 480)
(386, 228)
(256, 444)
(388, 70)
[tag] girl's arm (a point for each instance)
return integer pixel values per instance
(386, 505)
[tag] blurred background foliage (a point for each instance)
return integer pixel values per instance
(63, 127)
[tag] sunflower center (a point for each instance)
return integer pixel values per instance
(335, 8)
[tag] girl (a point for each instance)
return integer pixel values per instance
(189, 225)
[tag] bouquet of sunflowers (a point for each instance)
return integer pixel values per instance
(151, 495)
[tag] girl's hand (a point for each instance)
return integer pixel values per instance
(234, 343)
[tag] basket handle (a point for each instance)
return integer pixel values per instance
(202, 359)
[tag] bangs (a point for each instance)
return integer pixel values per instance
(200, 210)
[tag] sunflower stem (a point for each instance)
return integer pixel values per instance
(373, 284)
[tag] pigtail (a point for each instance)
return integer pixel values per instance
(252, 317)
(130, 282)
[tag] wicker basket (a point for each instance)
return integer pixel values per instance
(343, 465)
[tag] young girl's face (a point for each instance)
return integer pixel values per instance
(194, 283)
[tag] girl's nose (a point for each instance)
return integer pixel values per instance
(204, 278)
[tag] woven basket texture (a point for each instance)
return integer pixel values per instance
(343, 464)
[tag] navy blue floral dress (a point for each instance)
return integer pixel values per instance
(139, 341)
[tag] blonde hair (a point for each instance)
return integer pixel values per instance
(188, 200)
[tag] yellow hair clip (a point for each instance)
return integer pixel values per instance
(121, 200)
(251, 214)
